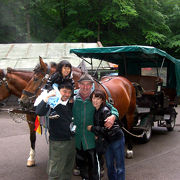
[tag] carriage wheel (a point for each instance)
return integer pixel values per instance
(171, 124)
(147, 132)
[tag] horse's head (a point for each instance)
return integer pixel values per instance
(4, 89)
(34, 86)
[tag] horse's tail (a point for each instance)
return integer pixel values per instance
(131, 110)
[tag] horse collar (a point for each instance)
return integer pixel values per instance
(110, 99)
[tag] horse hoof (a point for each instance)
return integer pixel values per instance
(129, 154)
(76, 172)
(30, 163)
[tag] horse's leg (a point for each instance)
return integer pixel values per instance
(129, 124)
(129, 151)
(31, 123)
(128, 140)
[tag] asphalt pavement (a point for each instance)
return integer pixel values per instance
(158, 159)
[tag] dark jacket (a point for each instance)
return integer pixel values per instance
(83, 112)
(100, 130)
(59, 129)
(58, 79)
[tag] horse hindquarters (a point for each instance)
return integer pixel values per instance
(124, 95)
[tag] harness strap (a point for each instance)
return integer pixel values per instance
(27, 93)
(110, 100)
(4, 80)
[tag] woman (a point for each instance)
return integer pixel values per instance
(112, 139)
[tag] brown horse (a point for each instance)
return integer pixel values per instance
(121, 93)
(13, 82)
(34, 86)
(32, 90)
(118, 89)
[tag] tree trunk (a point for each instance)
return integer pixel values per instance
(98, 32)
(28, 27)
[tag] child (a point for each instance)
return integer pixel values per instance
(61, 133)
(112, 140)
(63, 74)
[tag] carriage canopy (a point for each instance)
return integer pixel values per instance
(132, 58)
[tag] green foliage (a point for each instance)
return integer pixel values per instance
(154, 37)
(113, 22)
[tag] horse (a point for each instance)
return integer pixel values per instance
(12, 83)
(118, 89)
(121, 93)
(34, 86)
(30, 93)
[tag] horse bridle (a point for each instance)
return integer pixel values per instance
(110, 99)
(4, 80)
(32, 96)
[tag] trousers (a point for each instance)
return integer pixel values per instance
(61, 159)
(115, 159)
(88, 164)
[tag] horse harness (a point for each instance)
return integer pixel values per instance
(31, 95)
(3, 79)
(110, 99)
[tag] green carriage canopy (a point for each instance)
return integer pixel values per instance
(131, 58)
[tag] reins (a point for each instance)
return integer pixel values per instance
(110, 100)
(4, 80)
(31, 95)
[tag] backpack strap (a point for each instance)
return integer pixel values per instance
(47, 125)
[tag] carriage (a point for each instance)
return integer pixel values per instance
(154, 74)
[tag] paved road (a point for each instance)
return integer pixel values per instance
(157, 160)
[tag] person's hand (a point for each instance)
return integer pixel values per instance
(71, 100)
(109, 121)
(89, 127)
(50, 94)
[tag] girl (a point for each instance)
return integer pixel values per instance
(113, 137)
(62, 74)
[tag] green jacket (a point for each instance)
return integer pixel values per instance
(83, 113)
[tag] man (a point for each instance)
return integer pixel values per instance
(61, 140)
(83, 112)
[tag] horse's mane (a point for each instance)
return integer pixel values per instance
(37, 68)
(2, 73)
(10, 70)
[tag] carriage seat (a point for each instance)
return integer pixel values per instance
(148, 83)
